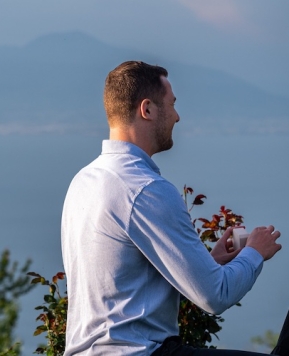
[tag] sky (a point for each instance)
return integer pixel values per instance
(245, 38)
(249, 39)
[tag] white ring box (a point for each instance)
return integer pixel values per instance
(240, 236)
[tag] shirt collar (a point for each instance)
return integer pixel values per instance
(123, 147)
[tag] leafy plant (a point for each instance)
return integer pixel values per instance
(268, 340)
(13, 284)
(53, 316)
(197, 326)
(12, 351)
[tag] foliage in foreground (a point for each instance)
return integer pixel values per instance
(53, 316)
(13, 284)
(268, 340)
(196, 326)
(12, 351)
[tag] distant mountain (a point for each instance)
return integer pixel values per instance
(57, 81)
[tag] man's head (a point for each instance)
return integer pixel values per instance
(127, 85)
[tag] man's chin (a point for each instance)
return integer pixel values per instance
(167, 146)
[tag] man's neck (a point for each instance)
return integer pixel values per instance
(137, 137)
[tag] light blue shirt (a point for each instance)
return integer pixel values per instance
(129, 250)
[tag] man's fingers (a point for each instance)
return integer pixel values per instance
(271, 228)
(277, 248)
(227, 233)
(230, 243)
(236, 252)
(276, 234)
(264, 241)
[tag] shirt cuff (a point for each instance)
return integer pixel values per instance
(255, 257)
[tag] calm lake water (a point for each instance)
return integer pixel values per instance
(248, 174)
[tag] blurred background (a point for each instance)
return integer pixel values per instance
(228, 64)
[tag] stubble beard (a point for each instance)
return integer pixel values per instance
(163, 137)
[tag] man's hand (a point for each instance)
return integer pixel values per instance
(223, 252)
(263, 239)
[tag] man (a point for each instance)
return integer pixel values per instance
(129, 247)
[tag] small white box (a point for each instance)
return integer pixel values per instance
(240, 236)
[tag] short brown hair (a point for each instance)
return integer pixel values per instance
(127, 85)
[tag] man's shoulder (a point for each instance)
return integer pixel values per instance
(127, 172)
(162, 190)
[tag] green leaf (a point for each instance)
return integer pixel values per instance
(50, 352)
(36, 280)
(39, 330)
(43, 281)
(52, 289)
(43, 307)
(49, 298)
(53, 305)
(33, 274)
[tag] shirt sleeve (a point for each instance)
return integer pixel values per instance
(160, 226)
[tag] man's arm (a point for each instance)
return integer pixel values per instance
(161, 228)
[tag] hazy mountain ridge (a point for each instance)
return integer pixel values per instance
(57, 81)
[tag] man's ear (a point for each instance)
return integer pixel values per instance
(146, 109)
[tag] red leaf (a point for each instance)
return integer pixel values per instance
(198, 199)
(213, 225)
(224, 211)
(188, 190)
(60, 275)
(203, 220)
(216, 218)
